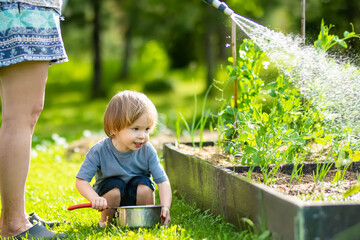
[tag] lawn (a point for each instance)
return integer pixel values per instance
(50, 190)
(70, 115)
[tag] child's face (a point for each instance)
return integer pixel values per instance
(134, 136)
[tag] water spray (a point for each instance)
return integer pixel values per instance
(229, 12)
(220, 6)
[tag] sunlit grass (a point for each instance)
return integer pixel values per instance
(50, 190)
(69, 111)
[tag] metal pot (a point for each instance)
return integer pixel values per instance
(132, 216)
(138, 216)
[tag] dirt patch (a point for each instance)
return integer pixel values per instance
(324, 190)
(211, 154)
(304, 188)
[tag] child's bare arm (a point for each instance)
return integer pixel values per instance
(165, 199)
(86, 191)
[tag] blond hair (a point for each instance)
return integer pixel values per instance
(125, 108)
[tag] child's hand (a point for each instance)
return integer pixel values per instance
(99, 203)
(165, 216)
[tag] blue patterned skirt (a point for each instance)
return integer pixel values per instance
(30, 33)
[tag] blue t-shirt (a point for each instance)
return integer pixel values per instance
(104, 161)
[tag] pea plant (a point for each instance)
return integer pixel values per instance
(326, 40)
(273, 136)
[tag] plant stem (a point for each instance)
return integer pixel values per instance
(233, 45)
(303, 21)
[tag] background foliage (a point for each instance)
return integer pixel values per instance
(189, 34)
(168, 49)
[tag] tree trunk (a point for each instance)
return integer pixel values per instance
(127, 47)
(96, 85)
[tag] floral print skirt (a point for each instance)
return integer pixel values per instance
(30, 33)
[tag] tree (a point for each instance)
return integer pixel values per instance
(96, 83)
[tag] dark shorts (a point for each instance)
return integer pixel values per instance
(128, 191)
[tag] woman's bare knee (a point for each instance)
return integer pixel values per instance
(22, 93)
(20, 119)
(35, 114)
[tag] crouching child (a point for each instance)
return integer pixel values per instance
(125, 165)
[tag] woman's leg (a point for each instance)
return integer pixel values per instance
(22, 91)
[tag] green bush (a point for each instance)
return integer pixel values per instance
(281, 132)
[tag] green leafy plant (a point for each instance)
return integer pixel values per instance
(254, 233)
(326, 40)
(353, 190)
(322, 170)
(296, 173)
(196, 126)
(340, 174)
(288, 125)
(267, 137)
(178, 131)
(342, 162)
(269, 173)
(251, 169)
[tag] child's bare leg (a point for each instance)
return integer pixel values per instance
(145, 195)
(113, 198)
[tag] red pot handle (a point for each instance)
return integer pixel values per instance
(82, 205)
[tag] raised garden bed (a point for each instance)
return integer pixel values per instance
(228, 193)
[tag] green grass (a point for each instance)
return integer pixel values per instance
(68, 112)
(50, 190)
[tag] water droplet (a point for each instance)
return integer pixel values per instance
(331, 82)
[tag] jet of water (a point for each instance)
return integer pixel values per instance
(331, 82)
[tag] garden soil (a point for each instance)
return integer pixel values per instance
(307, 190)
